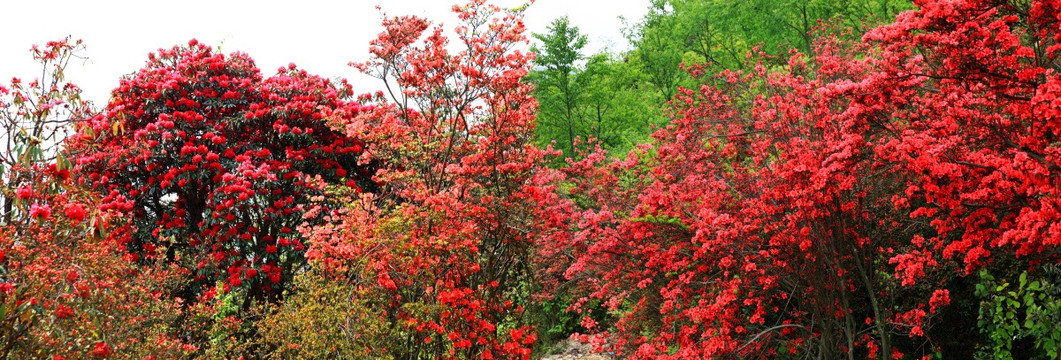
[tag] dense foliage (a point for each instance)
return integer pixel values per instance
(443, 248)
(616, 99)
(217, 166)
(842, 190)
(833, 207)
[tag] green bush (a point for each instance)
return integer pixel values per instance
(1021, 320)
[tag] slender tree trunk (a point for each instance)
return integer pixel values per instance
(9, 204)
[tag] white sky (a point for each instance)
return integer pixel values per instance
(319, 36)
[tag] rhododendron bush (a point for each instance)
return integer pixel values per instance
(217, 165)
(832, 208)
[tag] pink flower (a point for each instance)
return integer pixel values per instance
(24, 192)
(40, 211)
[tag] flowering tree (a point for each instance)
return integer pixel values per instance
(443, 248)
(37, 115)
(216, 165)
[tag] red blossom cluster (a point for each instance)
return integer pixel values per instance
(65, 291)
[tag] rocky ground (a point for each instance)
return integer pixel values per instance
(574, 350)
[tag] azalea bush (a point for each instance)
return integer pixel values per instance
(444, 249)
(66, 291)
(833, 207)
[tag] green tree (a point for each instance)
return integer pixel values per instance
(721, 32)
(555, 87)
(604, 97)
(659, 49)
(614, 107)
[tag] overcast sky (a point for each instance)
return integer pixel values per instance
(319, 36)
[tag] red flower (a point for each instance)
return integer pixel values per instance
(75, 212)
(940, 298)
(101, 349)
(63, 312)
(40, 211)
(62, 174)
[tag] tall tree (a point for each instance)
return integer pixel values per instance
(613, 108)
(599, 99)
(659, 49)
(558, 94)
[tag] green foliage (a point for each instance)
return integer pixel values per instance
(218, 326)
(563, 45)
(618, 98)
(1026, 312)
(722, 32)
(601, 97)
(321, 320)
(555, 87)
(615, 104)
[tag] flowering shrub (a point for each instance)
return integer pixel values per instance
(35, 117)
(443, 249)
(831, 208)
(66, 292)
(217, 165)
